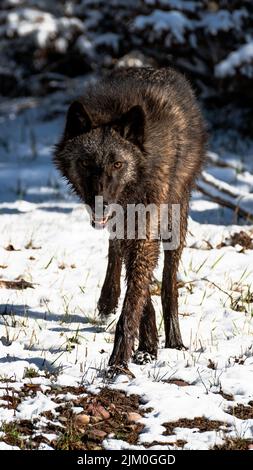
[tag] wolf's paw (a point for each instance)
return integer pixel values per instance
(176, 345)
(143, 357)
(106, 313)
(106, 320)
(182, 347)
(114, 371)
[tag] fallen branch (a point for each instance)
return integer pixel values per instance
(215, 160)
(221, 186)
(226, 195)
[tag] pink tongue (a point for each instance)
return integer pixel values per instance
(102, 221)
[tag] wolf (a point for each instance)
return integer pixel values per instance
(136, 136)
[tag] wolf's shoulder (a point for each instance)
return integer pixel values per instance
(145, 74)
(129, 80)
(155, 90)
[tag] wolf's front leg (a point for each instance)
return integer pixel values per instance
(110, 292)
(140, 258)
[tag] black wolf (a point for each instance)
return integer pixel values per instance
(136, 136)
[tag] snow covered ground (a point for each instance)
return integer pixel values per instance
(50, 334)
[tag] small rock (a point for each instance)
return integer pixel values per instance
(98, 411)
(134, 417)
(103, 412)
(81, 420)
(98, 434)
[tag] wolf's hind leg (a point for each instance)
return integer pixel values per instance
(169, 294)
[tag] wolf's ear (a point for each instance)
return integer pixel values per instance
(131, 125)
(78, 121)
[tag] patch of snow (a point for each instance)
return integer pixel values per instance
(31, 408)
(25, 21)
(4, 446)
(118, 444)
(228, 66)
(222, 20)
(77, 409)
(162, 21)
(108, 39)
(84, 45)
(44, 446)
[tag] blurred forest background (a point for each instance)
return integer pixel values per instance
(44, 44)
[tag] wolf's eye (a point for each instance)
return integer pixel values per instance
(83, 163)
(117, 165)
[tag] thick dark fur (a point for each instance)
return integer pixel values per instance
(149, 121)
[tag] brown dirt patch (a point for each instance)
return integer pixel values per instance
(178, 382)
(201, 423)
(227, 396)
(31, 246)
(74, 390)
(242, 238)
(10, 247)
(17, 285)
(115, 406)
(106, 413)
(239, 238)
(12, 401)
(234, 444)
(241, 411)
(178, 443)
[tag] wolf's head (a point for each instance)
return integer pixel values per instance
(101, 160)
